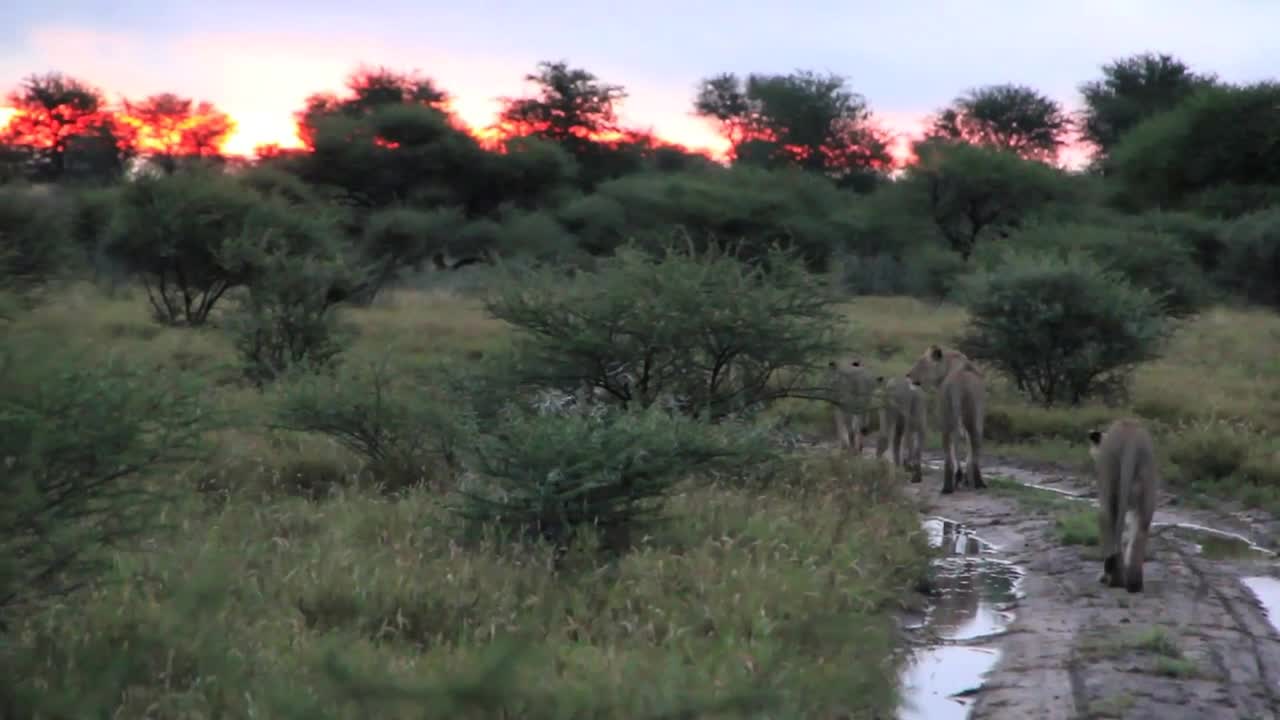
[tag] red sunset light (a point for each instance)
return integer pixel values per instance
(169, 125)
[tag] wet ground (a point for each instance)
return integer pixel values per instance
(972, 593)
(1020, 627)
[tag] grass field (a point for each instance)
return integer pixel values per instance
(260, 602)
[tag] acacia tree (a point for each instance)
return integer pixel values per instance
(367, 90)
(803, 119)
(1132, 89)
(577, 110)
(570, 105)
(167, 127)
(972, 192)
(1218, 141)
(57, 116)
(1010, 117)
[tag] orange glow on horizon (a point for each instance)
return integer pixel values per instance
(262, 135)
(202, 133)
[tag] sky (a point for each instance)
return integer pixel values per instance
(259, 60)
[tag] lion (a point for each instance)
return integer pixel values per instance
(1127, 474)
(854, 386)
(962, 398)
(902, 416)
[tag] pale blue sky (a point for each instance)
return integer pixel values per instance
(258, 60)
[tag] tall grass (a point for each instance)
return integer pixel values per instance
(282, 587)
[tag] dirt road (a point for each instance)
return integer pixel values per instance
(1197, 644)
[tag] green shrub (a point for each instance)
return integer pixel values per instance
(750, 208)
(1202, 235)
(1220, 136)
(926, 271)
(1060, 326)
(1231, 200)
(406, 431)
(91, 221)
(35, 236)
(706, 331)
(397, 238)
(1160, 262)
(1251, 257)
(78, 437)
(285, 320)
(548, 476)
(171, 232)
(537, 236)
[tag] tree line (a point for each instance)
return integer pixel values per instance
(1179, 199)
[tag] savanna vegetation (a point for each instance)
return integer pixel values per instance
(414, 424)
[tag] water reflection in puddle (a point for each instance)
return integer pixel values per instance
(1267, 590)
(973, 595)
(935, 677)
(1216, 544)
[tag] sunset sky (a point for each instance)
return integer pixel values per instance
(259, 60)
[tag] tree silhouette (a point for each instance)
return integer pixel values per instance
(369, 89)
(575, 109)
(1131, 90)
(166, 127)
(570, 106)
(56, 115)
(1010, 117)
(804, 119)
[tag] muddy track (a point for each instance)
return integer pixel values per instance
(1196, 643)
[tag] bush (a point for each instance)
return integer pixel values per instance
(1060, 326)
(406, 432)
(399, 237)
(296, 273)
(1202, 235)
(1251, 257)
(537, 236)
(1156, 261)
(78, 436)
(94, 208)
(1219, 136)
(548, 476)
(285, 320)
(710, 333)
(926, 271)
(35, 236)
(1231, 200)
(748, 207)
(172, 231)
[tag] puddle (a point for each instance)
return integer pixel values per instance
(933, 683)
(1028, 478)
(1211, 542)
(974, 593)
(1216, 544)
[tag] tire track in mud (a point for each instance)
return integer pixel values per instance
(1196, 644)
